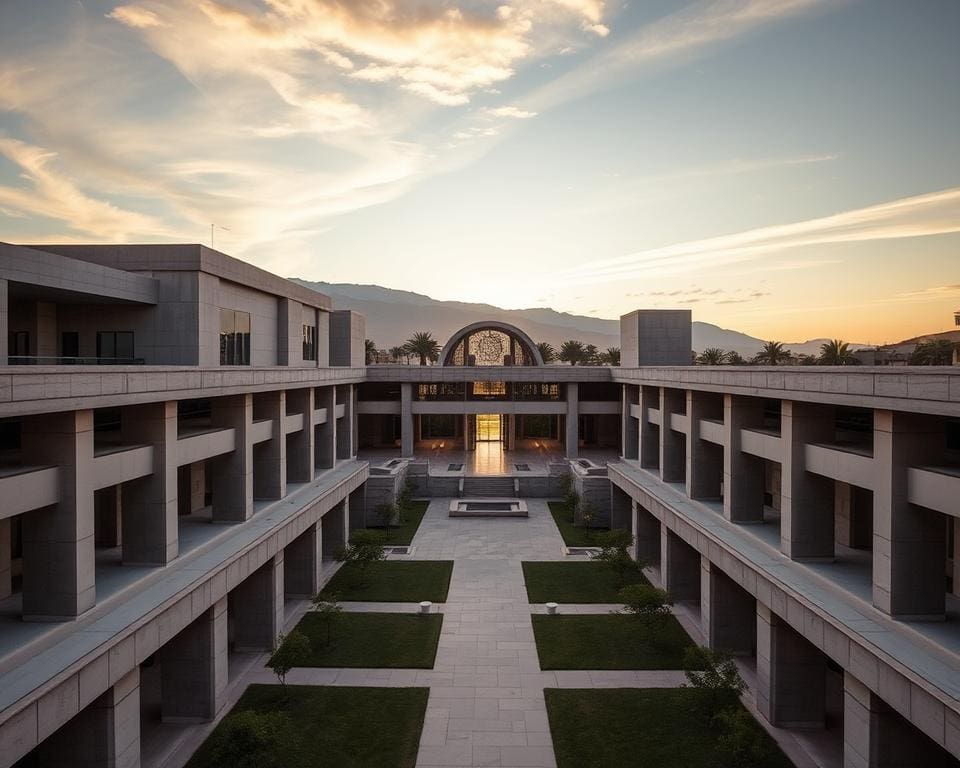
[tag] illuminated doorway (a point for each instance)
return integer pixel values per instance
(489, 428)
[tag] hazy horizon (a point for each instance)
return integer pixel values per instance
(785, 168)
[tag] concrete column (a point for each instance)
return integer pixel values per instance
(646, 532)
(909, 542)
(791, 675)
(256, 607)
(58, 541)
(4, 321)
(673, 454)
(621, 509)
(704, 461)
(357, 505)
(302, 562)
(469, 433)
(806, 512)
(511, 432)
(743, 474)
(6, 559)
(955, 555)
(325, 446)
(150, 530)
(300, 445)
(233, 472)
(193, 669)
(335, 529)
(728, 613)
(649, 433)
(630, 439)
(45, 329)
(191, 488)
(345, 443)
(105, 734)
(406, 420)
(270, 458)
(108, 516)
(679, 567)
(573, 420)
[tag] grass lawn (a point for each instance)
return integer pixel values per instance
(346, 727)
(608, 641)
(636, 728)
(404, 533)
(573, 535)
(574, 582)
(392, 640)
(394, 581)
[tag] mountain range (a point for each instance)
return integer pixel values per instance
(394, 315)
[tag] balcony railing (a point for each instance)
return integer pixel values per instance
(48, 360)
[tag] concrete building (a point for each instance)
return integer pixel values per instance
(185, 440)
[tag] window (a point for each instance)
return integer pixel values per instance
(234, 337)
(309, 342)
(70, 344)
(114, 346)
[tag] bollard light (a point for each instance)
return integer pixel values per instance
(425, 607)
(551, 609)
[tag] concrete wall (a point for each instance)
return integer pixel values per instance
(347, 336)
(656, 337)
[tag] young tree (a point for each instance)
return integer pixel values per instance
(292, 650)
(328, 608)
(836, 352)
(588, 515)
(614, 554)
(572, 351)
(715, 675)
(547, 352)
(773, 353)
(364, 549)
(423, 345)
(251, 739)
(405, 499)
(386, 513)
(646, 602)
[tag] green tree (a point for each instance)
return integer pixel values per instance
(611, 356)
(591, 355)
(386, 513)
(547, 352)
(933, 352)
(773, 353)
(405, 499)
(397, 354)
(327, 607)
(646, 602)
(712, 356)
(715, 675)
(735, 358)
(572, 351)
(423, 345)
(370, 351)
(363, 550)
(251, 739)
(614, 554)
(836, 352)
(292, 650)
(742, 743)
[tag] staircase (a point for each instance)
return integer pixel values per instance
(498, 486)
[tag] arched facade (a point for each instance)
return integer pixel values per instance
(490, 343)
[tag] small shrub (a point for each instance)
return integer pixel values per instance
(292, 650)
(614, 553)
(741, 744)
(328, 608)
(646, 602)
(365, 549)
(251, 739)
(588, 516)
(405, 498)
(385, 513)
(715, 675)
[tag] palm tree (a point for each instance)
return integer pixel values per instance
(572, 351)
(396, 353)
(735, 358)
(423, 345)
(370, 351)
(547, 352)
(591, 355)
(836, 352)
(712, 356)
(611, 356)
(773, 353)
(933, 352)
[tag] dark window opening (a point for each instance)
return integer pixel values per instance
(115, 346)
(234, 337)
(309, 342)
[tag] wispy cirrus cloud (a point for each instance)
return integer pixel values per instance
(935, 213)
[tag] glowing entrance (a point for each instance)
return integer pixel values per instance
(489, 428)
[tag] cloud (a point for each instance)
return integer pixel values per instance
(510, 111)
(930, 214)
(138, 18)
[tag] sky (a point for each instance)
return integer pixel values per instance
(786, 168)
